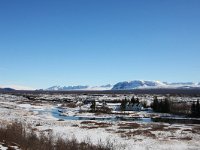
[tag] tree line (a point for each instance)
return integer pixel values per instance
(181, 108)
(195, 109)
(162, 106)
(125, 102)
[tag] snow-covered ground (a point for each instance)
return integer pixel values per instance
(123, 134)
(3, 146)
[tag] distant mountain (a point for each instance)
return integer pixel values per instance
(128, 85)
(79, 87)
(6, 89)
(65, 88)
(136, 84)
(100, 88)
(16, 87)
(139, 84)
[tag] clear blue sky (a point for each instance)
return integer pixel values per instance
(94, 42)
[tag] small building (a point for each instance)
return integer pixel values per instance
(129, 106)
(114, 106)
(134, 107)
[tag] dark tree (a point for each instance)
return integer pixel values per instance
(137, 101)
(193, 109)
(162, 106)
(198, 109)
(133, 100)
(155, 104)
(166, 106)
(93, 106)
(123, 104)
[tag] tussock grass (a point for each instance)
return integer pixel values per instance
(93, 124)
(88, 122)
(27, 139)
(145, 133)
(70, 105)
(128, 125)
(196, 129)
(89, 127)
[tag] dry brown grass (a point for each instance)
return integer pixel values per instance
(103, 124)
(187, 130)
(71, 105)
(88, 127)
(157, 127)
(74, 125)
(128, 125)
(110, 130)
(160, 127)
(17, 134)
(120, 131)
(172, 129)
(196, 129)
(187, 138)
(88, 122)
(93, 124)
(103, 110)
(138, 132)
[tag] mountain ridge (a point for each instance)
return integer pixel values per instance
(128, 85)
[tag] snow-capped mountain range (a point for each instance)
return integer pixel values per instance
(79, 87)
(128, 85)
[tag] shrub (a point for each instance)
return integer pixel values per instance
(28, 140)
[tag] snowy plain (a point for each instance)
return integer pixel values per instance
(123, 134)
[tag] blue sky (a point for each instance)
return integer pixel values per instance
(94, 42)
